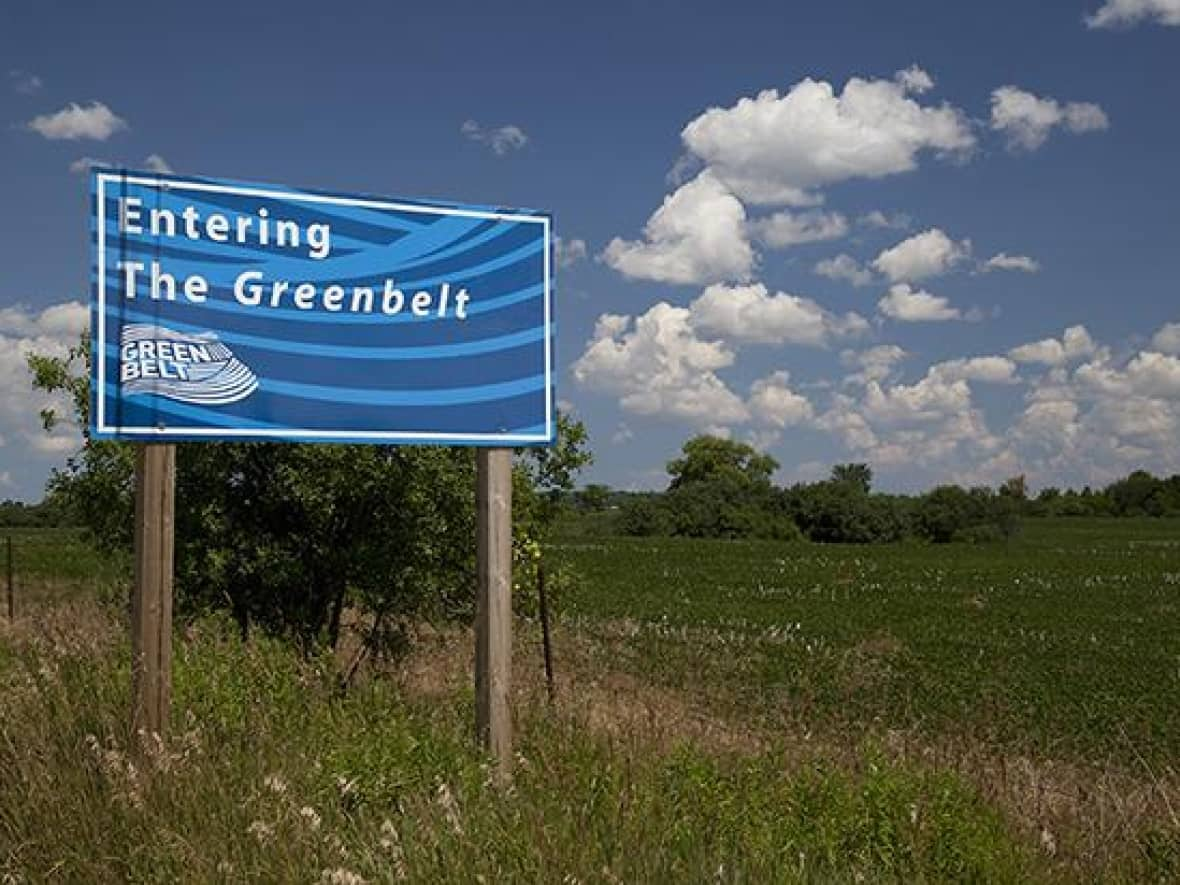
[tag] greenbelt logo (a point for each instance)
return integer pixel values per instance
(187, 367)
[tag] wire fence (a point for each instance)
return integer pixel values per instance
(35, 563)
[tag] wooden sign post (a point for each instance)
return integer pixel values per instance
(493, 604)
(151, 601)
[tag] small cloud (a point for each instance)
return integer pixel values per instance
(909, 305)
(152, 163)
(914, 79)
(1004, 261)
(24, 83)
(82, 165)
(785, 228)
(569, 252)
(156, 163)
(74, 122)
(878, 219)
(1027, 119)
(875, 364)
(1074, 344)
(844, 267)
(928, 254)
(500, 139)
(1125, 13)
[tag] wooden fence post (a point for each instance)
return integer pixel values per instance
(11, 586)
(151, 601)
(493, 607)
(546, 640)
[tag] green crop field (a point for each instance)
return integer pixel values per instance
(1063, 643)
(726, 712)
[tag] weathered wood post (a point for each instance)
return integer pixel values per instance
(11, 586)
(546, 640)
(151, 601)
(493, 606)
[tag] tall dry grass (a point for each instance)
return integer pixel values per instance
(272, 774)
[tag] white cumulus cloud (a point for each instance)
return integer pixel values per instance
(1027, 119)
(932, 422)
(1004, 261)
(779, 148)
(914, 79)
(1089, 423)
(928, 254)
(773, 402)
(875, 364)
(844, 267)
(698, 235)
(73, 122)
(50, 332)
(657, 365)
(908, 305)
(1116, 13)
(1074, 344)
(992, 369)
(751, 313)
(786, 228)
(1167, 339)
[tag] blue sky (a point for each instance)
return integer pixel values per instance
(992, 174)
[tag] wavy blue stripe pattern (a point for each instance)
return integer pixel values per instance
(336, 317)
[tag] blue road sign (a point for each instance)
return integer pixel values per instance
(227, 311)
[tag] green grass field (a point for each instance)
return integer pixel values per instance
(1063, 643)
(58, 559)
(728, 712)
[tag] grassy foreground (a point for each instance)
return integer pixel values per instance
(273, 775)
(727, 712)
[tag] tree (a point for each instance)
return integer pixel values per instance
(711, 457)
(593, 497)
(1138, 494)
(1015, 487)
(721, 488)
(645, 515)
(287, 536)
(943, 513)
(1049, 502)
(840, 512)
(545, 474)
(857, 476)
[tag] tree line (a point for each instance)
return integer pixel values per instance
(721, 488)
(49, 513)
